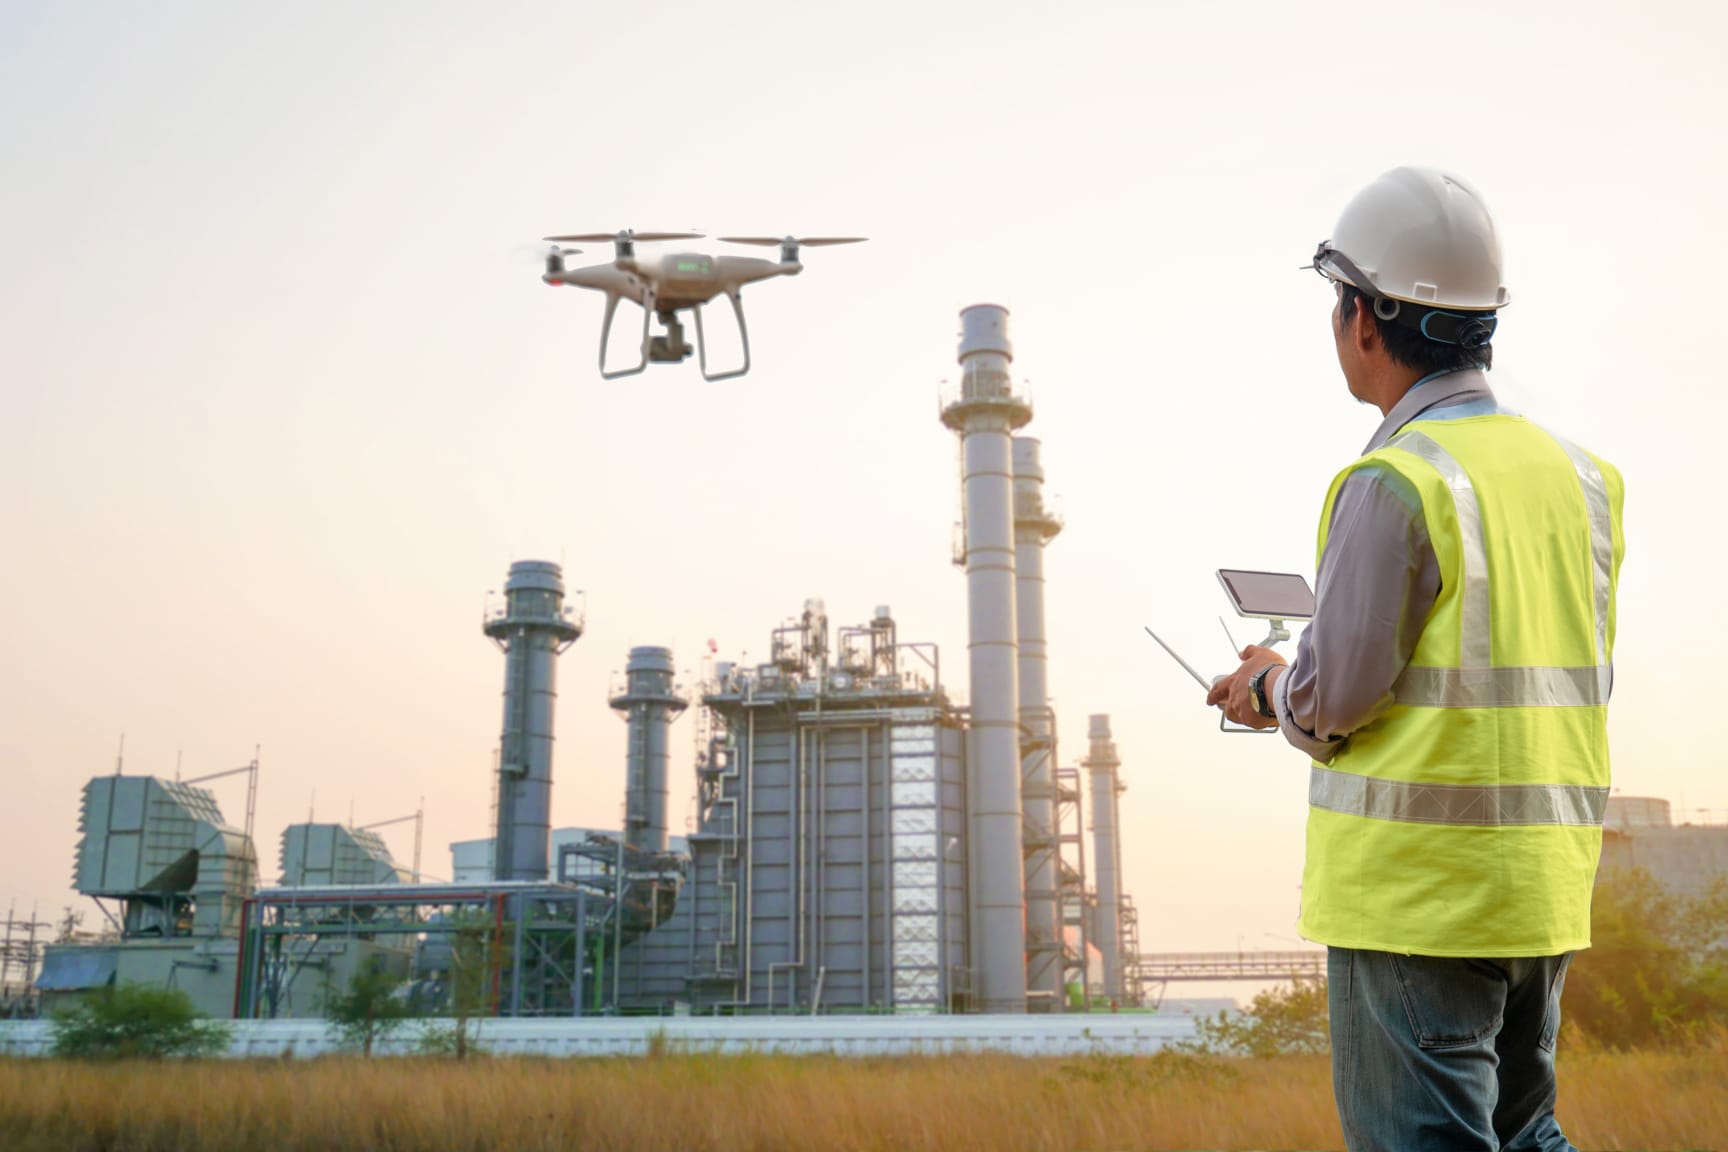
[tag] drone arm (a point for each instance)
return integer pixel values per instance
(743, 334)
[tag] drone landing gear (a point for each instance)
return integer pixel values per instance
(669, 347)
(743, 336)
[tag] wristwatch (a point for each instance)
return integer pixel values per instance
(1257, 691)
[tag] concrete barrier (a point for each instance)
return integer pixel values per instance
(1136, 1034)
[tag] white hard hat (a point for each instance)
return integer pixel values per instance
(1418, 235)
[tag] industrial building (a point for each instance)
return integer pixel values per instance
(1639, 832)
(866, 840)
(828, 868)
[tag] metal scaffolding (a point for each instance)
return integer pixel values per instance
(515, 948)
(1152, 972)
(1071, 885)
(20, 959)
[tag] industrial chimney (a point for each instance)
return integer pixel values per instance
(1034, 526)
(649, 703)
(533, 628)
(985, 415)
(1106, 784)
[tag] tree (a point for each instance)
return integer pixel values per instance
(1657, 969)
(369, 1010)
(136, 1021)
(1289, 1020)
(478, 958)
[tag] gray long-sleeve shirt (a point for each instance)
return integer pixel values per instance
(1377, 582)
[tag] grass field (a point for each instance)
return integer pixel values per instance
(944, 1104)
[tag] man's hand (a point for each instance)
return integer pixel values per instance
(1231, 693)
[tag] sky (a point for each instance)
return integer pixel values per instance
(282, 395)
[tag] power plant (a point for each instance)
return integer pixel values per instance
(872, 833)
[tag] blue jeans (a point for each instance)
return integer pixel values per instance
(1445, 1054)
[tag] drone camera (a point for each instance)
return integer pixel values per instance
(667, 350)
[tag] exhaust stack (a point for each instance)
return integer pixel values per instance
(1106, 785)
(649, 703)
(985, 415)
(1035, 526)
(534, 629)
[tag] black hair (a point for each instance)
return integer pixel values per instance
(1407, 346)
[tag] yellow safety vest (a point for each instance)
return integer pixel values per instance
(1466, 819)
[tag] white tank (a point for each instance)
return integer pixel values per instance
(1638, 812)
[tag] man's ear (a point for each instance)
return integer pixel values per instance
(1364, 332)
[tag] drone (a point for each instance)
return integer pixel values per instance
(666, 284)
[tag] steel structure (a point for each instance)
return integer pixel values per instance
(1074, 901)
(828, 867)
(985, 414)
(20, 957)
(1301, 964)
(1035, 525)
(1106, 785)
(533, 627)
(1128, 946)
(1148, 974)
(649, 700)
(510, 948)
(505, 948)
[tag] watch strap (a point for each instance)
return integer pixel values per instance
(1262, 699)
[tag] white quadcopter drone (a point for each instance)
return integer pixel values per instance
(666, 283)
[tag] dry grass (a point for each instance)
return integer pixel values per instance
(765, 1103)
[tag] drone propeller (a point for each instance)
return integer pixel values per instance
(789, 245)
(625, 236)
(794, 241)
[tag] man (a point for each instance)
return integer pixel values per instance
(1452, 693)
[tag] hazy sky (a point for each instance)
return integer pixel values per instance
(282, 396)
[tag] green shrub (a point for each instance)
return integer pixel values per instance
(452, 1039)
(136, 1021)
(1289, 1020)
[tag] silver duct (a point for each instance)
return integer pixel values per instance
(649, 704)
(985, 414)
(1034, 526)
(532, 628)
(1106, 785)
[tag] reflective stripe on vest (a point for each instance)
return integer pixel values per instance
(1379, 799)
(1475, 683)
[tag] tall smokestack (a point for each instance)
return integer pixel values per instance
(649, 704)
(1101, 761)
(985, 415)
(1035, 526)
(532, 628)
